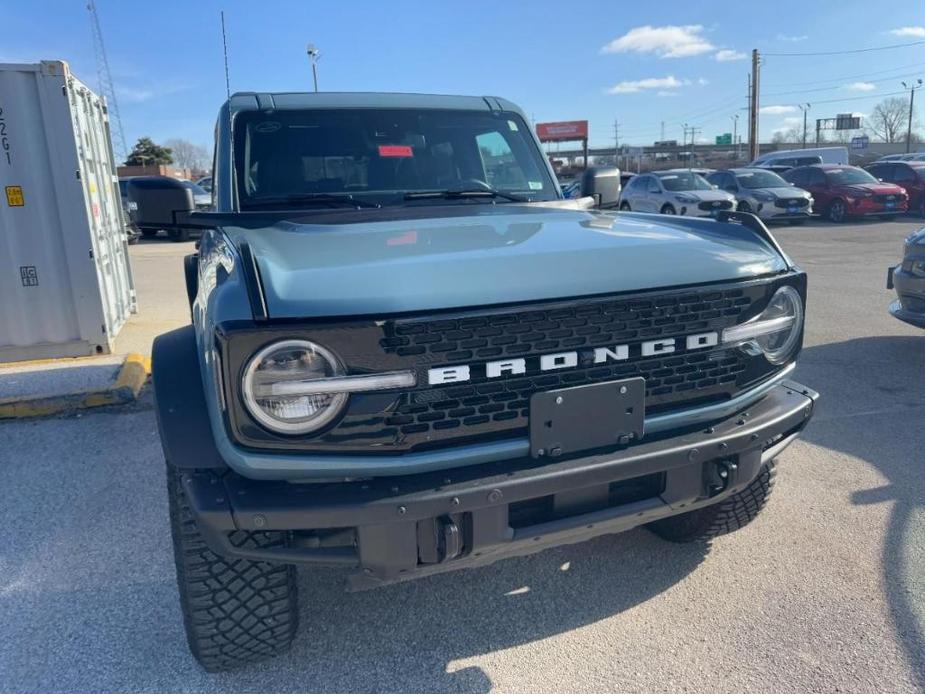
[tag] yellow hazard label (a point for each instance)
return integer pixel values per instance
(14, 196)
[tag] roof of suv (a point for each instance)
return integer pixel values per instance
(249, 101)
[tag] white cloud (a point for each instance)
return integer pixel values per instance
(861, 86)
(634, 86)
(792, 39)
(917, 32)
(777, 110)
(666, 41)
(726, 55)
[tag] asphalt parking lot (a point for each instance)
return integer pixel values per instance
(824, 592)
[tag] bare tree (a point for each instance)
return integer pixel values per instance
(889, 119)
(188, 155)
(793, 134)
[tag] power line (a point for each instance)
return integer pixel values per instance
(855, 76)
(851, 51)
(840, 86)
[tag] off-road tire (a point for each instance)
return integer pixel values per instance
(235, 611)
(725, 517)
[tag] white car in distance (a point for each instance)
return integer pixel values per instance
(675, 192)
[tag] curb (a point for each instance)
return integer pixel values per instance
(124, 389)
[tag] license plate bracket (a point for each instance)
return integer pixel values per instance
(582, 418)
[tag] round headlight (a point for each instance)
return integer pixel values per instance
(778, 346)
(272, 400)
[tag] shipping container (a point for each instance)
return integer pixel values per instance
(66, 284)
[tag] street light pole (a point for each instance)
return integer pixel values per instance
(735, 129)
(313, 55)
(911, 89)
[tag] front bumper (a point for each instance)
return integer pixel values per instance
(769, 212)
(860, 207)
(393, 529)
(909, 306)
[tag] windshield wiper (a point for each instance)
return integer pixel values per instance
(311, 198)
(462, 194)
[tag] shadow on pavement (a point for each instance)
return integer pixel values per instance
(874, 410)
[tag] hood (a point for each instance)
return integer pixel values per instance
(782, 192)
(705, 195)
(488, 254)
(877, 188)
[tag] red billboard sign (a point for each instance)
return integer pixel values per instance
(566, 130)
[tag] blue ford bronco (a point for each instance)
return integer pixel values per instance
(409, 354)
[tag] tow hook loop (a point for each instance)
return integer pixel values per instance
(452, 542)
(719, 475)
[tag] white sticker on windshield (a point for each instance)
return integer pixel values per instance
(536, 185)
(512, 125)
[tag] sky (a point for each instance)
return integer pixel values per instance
(635, 63)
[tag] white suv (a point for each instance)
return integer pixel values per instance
(674, 192)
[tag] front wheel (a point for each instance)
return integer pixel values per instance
(149, 233)
(836, 212)
(725, 517)
(667, 209)
(235, 611)
(744, 207)
(625, 206)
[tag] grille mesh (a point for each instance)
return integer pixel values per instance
(483, 404)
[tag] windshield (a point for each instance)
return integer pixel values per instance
(684, 181)
(760, 179)
(841, 177)
(377, 156)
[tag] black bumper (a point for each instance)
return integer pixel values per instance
(400, 528)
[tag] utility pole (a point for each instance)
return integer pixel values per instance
(663, 131)
(911, 87)
(313, 55)
(753, 148)
(804, 108)
(690, 159)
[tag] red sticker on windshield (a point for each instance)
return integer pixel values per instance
(395, 151)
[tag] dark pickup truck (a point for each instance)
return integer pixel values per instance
(409, 354)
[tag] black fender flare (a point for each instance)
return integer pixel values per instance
(191, 274)
(180, 404)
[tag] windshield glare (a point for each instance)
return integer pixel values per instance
(760, 179)
(685, 180)
(842, 177)
(379, 155)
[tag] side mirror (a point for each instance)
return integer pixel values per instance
(603, 183)
(163, 203)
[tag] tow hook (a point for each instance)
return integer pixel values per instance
(719, 475)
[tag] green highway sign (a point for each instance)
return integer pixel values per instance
(724, 139)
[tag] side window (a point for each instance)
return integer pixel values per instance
(728, 182)
(901, 174)
(878, 171)
(816, 177)
(501, 169)
(635, 184)
(654, 186)
(796, 176)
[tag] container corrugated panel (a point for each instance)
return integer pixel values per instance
(66, 284)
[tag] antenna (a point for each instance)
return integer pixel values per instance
(225, 49)
(104, 79)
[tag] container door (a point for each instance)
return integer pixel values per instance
(101, 189)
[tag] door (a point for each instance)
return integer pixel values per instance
(653, 195)
(905, 176)
(816, 184)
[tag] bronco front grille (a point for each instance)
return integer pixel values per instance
(491, 408)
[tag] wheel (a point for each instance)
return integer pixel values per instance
(625, 206)
(667, 209)
(725, 517)
(836, 211)
(177, 235)
(744, 207)
(235, 611)
(149, 233)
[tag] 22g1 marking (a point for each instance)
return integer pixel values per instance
(5, 140)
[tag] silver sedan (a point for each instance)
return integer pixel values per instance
(765, 194)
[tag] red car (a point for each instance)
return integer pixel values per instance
(908, 174)
(847, 191)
